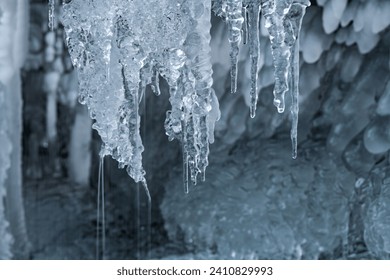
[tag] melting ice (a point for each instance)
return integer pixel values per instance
(135, 42)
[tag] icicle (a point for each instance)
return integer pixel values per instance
(254, 45)
(51, 14)
(294, 99)
(155, 81)
(204, 149)
(196, 89)
(245, 25)
(294, 18)
(173, 122)
(234, 20)
(274, 12)
(130, 109)
(144, 80)
(185, 159)
(283, 21)
(193, 144)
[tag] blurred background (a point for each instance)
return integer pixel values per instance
(332, 202)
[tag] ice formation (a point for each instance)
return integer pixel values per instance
(51, 14)
(120, 46)
(376, 212)
(283, 20)
(125, 52)
(302, 205)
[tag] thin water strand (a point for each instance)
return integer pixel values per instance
(138, 221)
(103, 213)
(100, 215)
(148, 220)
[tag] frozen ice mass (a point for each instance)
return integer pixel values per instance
(232, 73)
(120, 47)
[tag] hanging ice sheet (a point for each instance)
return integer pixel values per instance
(121, 46)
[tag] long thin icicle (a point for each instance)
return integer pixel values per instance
(274, 12)
(245, 26)
(234, 19)
(51, 14)
(185, 158)
(283, 21)
(295, 16)
(254, 50)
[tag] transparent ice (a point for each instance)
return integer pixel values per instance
(136, 42)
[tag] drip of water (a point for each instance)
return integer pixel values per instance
(143, 208)
(100, 215)
(143, 224)
(138, 222)
(148, 220)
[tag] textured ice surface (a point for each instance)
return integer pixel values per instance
(172, 40)
(278, 209)
(376, 212)
(119, 47)
(377, 135)
(283, 20)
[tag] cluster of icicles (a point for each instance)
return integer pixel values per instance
(120, 46)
